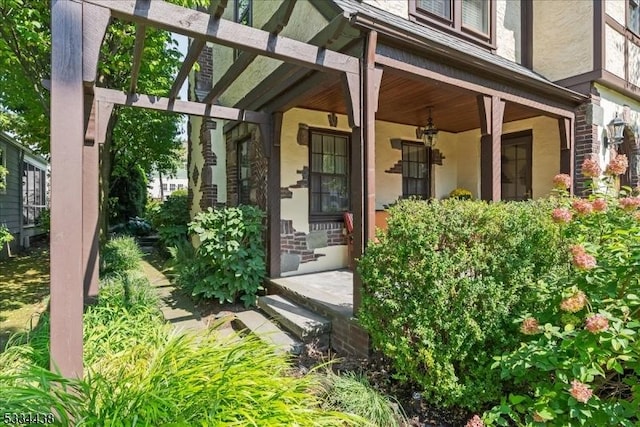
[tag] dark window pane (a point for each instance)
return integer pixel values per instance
(327, 144)
(315, 202)
(475, 15)
(341, 165)
(328, 164)
(341, 146)
(316, 143)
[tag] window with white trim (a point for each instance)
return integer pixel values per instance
(34, 193)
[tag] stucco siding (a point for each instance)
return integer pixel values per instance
(397, 7)
(562, 38)
(197, 160)
(634, 64)
(509, 29)
(305, 22)
(614, 52)
(616, 10)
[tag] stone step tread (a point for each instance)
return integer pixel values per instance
(267, 331)
(303, 323)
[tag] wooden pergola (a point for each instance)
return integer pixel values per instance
(80, 112)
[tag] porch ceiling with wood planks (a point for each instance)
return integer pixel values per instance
(404, 100)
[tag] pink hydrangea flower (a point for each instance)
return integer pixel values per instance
(629, 203)
(596, 323)
(637, 216)
(618, 165)
(583, 207)
(476, 421)
(580, 391)
(562, 181)
(581, 259)
(561, 215)
(574, 303)
(530, 326)
(591, 168)
(599, 205)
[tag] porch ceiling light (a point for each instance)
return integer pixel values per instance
(429, 133)
(615, 132)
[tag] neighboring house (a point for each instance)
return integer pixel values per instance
(504, 130)
(161, 189)
(25, 193)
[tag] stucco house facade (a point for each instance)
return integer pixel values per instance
(504, 129)
(24, 195)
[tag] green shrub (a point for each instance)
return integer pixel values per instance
(171, 218)
(440, 286)
(120, 254)
(44, 220)
(5, 236)
(231, 257)
(128, 187)
(352, 393)
(579, 361)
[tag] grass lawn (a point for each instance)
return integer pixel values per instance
(24, 291)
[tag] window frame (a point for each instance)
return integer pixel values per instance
(455, 25)
(239, 178)
(237, 17)
(328, 217)
(509, 139)
(633, 31)
(26, 205)
(3, 163)
(427, 179)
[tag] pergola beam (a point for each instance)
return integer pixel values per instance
(177, 106)
(192, 56)
(217, 7)
(275, 25)
(199, 25)
(137, 57)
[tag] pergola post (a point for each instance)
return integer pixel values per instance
(491, 110)
(273, 193)
(67, 140)
(90, 203)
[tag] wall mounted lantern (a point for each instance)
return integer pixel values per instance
(615, 132)
(429, 133)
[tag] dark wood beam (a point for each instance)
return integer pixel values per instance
(566, 147)
(138, 47)
(217, 7)
(199, 25)
(177, 106)
(67, 140)
(96, 19)
(491, 110)
(192, 56)
(451, 79)
(275, 25)
(273, 197)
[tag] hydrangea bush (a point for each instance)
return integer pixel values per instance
(579, 360)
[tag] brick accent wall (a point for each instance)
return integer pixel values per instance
(348, 337)
(298, 247)
(587, 142)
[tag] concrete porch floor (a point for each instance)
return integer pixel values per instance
(332, 289)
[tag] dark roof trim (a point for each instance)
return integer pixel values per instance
(407, 37)
(4, 137)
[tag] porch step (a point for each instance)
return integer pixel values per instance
(267, 331)
(304, 324)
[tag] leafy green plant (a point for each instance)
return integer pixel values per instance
(120, 254)
(352, 393)
(171, 218)
(579, 361)
(44, 220)
(5, 235)
(231, 257)
(440, 286)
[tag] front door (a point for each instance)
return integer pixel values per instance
(516, 166)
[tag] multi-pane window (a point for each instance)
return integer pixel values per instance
(33, 193)
(244, 173)
(243, 11)
(172, 187)
(415, 170)
(634, 16)
(180, 186)
(471, 18)
(328, 174)
(165, 187)
(516, 175)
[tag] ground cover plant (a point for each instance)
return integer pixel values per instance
(579, 360)
(440, 287)
(120, 254)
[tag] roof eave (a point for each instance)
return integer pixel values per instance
(365, 22)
